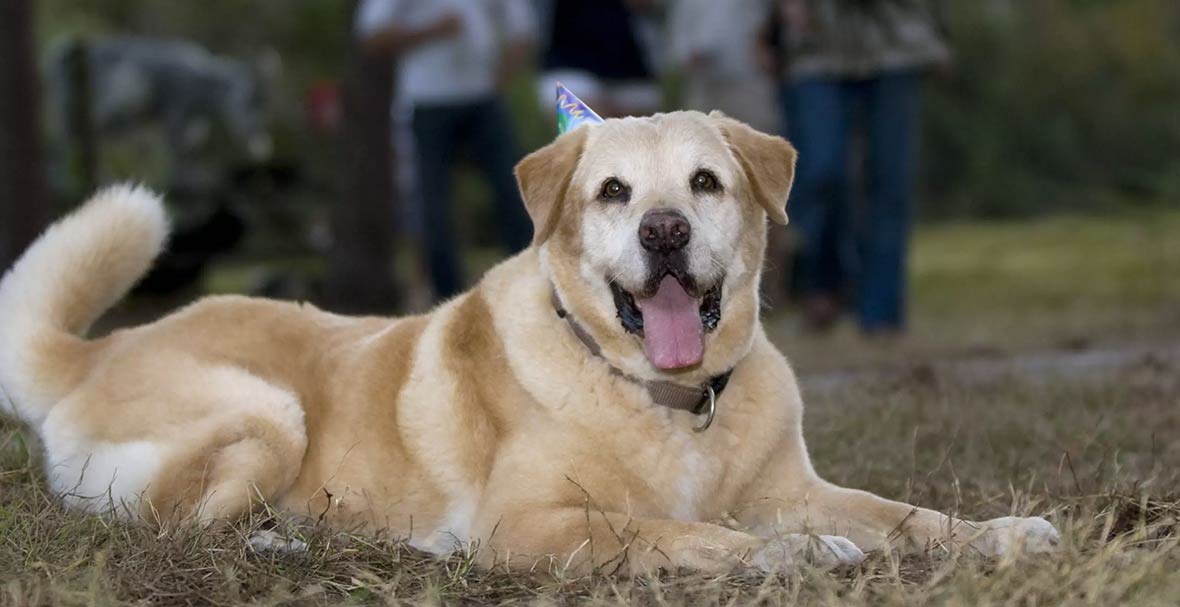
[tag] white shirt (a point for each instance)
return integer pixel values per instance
(723, 32)
(461, 67)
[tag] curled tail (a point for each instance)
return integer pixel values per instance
(80, 267)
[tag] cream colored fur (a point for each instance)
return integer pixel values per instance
(485, 420)
(72, 274)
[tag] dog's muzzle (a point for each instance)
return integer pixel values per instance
(671, 312)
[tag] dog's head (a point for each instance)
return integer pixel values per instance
(652, 231)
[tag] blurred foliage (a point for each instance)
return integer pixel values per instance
(309, 34)
(1055, 104)
(307, 38)
(1051, 104)
(294, 46)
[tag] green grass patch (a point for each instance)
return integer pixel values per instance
(996, 287)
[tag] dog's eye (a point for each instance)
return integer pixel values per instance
(705, 181)
(614, 190)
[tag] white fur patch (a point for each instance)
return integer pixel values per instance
(788, 552)
(1012, 534)
(267, 541)
(104, 475)
(694, 472)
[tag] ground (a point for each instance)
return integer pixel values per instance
(1041, 376)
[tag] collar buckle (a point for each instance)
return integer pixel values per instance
(710, 411)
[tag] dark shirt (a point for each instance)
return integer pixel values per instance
(597, 36)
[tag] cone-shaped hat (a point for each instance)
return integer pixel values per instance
(571, 111)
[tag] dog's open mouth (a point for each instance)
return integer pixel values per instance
(672, 315)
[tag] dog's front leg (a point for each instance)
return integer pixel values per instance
(577, 540)
(786, 495)
(875, 523)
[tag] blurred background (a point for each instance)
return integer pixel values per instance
(358, 154)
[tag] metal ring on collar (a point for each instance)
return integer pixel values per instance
(712, 410)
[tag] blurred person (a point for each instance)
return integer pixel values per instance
(602, 50)
(717, 47)
(454, 58)
(855, 63)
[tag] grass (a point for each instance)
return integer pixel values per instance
(1095, 452)
(1074, 275)
(1093, 455)
(996, 288)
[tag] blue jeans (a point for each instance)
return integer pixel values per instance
(841, 247)
(439, 131)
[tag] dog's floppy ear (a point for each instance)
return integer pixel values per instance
(768, 161)
(544, 177)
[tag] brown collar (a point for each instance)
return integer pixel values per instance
(699, 400)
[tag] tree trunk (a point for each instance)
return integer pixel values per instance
(24, 209)
(360, 265)
(82, 151)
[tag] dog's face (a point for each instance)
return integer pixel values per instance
(653, 231)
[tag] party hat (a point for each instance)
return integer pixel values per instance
(571, 111)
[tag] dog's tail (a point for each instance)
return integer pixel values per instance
(76, 270)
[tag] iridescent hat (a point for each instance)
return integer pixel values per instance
(571, 111)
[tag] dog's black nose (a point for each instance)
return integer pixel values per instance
(664, 230)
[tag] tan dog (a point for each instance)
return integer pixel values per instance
(558, 409)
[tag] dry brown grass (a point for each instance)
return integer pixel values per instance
(1097, 455)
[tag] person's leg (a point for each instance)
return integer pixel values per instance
(435, 132)
(833, 272)
(494, 144)
(892, 118)
(817, 122)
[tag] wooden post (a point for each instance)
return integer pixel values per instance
(360, 264)
(24, 209)
(79, 123)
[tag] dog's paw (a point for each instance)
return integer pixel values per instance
(792, 550)
(835, 551)
(1033, 535)
(266, 541)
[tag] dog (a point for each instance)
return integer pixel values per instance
(596, 400)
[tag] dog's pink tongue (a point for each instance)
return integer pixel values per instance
(672, 333)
